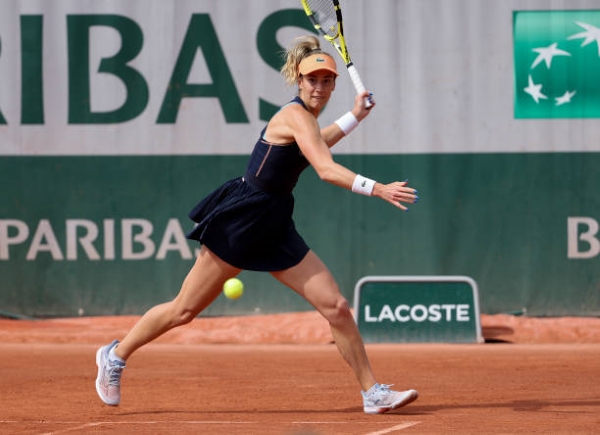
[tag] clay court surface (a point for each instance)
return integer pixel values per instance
(280, 374)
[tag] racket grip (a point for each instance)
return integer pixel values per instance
(358, 84)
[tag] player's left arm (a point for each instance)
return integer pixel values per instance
(332, 134)
(316, 151)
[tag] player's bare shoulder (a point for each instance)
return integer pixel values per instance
(298, 118)
(285, 124)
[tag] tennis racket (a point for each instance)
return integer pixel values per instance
(326, 17)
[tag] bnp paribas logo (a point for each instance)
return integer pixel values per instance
(557, 64)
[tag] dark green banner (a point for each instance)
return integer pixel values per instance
(106, 234)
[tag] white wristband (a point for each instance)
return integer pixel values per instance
(347, 122)
(363, 185)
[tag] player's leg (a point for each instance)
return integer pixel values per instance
(201, 287)
(312, 280)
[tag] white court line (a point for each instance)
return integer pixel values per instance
(107, 423)
(74, 428)
(336, 422)
(395, 428)
(78, 427)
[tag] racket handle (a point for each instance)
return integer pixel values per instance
(358, 84)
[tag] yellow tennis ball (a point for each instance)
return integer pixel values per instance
(233, 288)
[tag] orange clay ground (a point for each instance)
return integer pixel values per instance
(281, 374)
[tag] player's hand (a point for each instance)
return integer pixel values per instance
(359, 110)
(396, 193)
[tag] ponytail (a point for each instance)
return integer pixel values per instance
(301, 47)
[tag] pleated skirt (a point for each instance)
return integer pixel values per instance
(248, 228)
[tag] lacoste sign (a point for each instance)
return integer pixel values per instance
(417, 309)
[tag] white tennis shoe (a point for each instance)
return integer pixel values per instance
(380, 399)
(108, 382)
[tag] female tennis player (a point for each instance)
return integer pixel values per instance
(247, 223)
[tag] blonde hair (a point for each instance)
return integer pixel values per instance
(301, 47)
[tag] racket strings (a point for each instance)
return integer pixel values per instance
(324, 13)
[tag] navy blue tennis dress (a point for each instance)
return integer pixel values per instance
(247, 221)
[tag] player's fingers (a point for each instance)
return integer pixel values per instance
(410, 192)
(409, 199)
(414, 197)
(362, 98)
(406, 195)
(365, 94)
(403, 200)
(371, 100)
(399, 205)
(365, 97)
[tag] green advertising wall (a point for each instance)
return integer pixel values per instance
(501, 219)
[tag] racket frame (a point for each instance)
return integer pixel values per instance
(339, 43)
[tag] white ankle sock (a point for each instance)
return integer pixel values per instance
(112, 357)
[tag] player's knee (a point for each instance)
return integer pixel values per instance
(186, 317)
(181, 316)
(339, 312)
